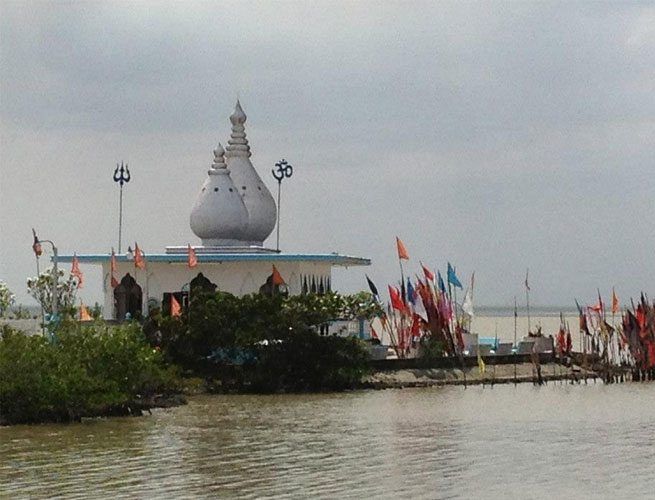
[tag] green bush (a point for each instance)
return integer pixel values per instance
(88, 371)
(269, 343)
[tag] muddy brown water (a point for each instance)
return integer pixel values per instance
(555, 441)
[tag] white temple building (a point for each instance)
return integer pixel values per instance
(233, 215)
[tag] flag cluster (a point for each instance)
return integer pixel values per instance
(423, 306)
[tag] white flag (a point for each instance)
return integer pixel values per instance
(467, 304)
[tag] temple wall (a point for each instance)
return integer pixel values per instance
(238, 278)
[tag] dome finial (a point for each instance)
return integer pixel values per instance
(238, 116)
(237, 145)
(219, 158)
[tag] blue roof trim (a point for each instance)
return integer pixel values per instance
(336, 259)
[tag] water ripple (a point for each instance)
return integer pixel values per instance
(510, 442)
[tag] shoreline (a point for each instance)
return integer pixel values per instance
(493, 374)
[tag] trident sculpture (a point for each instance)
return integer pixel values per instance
(283, 169)
(122, 176)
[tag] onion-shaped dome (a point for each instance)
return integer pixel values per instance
(257, 198)
(219, 216)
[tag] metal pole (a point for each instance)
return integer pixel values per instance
(55, 271)
(120, 218)
(283, 169)
(38, 275)
(279, 188)
(121, 175)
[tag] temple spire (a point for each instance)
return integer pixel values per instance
(237, 145)
(219, 166)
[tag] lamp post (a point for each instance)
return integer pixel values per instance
(283, 169)
(55, 277)
(122, 176)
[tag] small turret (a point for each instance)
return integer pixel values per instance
(219, 216)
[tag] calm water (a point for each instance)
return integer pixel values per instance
(557, 441)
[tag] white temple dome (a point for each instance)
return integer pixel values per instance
(219, 216)
(258, 200)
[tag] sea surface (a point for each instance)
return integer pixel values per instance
(524, 442)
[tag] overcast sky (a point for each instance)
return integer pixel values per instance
(498, 136)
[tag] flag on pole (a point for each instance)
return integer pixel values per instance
(114, 282)
(410, 293)
(374, 334)
(467, 304)
(442, 285)
(36, 246)
(402, 251)
(192, 260)
(527, 286)
(396, 301)
(277, 277)
(372, 287)
(601, 306)
(427, 273)
(176, 310)
(75, 271)
(112, 261)
(139, 258)
(84, 313)
(452, 278)
(615, 302)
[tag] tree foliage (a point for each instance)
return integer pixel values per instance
(42, 286)
(7, 298)
(273, 339)
(88, 371)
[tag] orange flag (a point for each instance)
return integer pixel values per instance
(75, 271)
(615, 302)
(402, 251)
(84, 313)
(113, 261)
(114, 282)
(176, 310)
(192, 260)
(139, 258)
(277, 277)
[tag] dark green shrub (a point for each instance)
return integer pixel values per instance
(88, 371)
(274, 337)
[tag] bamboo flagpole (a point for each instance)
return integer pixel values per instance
(516, 317)
(527, 298)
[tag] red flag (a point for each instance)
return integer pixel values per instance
(36, 246)
(374, 333)
(402, 251)
(113, 261)
(176, 310)
(192, 260)
(84, 313)
(114, 282)
(615, 302)
(396, 301)
(426, 272)
(277, 277)
(139, 258)
(75, 271)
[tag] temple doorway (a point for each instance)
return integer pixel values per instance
(128, 298)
